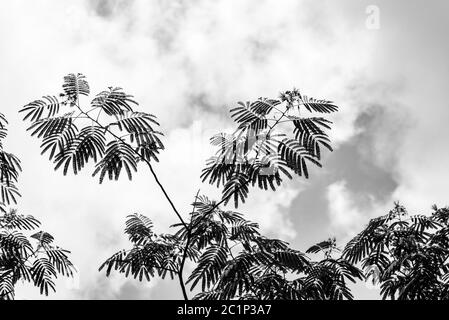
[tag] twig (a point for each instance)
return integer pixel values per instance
(145, 160)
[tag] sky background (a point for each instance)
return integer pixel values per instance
(189, 62)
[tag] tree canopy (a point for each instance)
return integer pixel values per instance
(274, 139)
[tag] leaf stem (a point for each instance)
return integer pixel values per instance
(145, 160)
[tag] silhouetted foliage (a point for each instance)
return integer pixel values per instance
(274, 139)
(407, 255)
(32, 258)
(116, 138)
(232, 259)
(9, 171)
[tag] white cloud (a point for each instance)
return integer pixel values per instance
(347, 215)
(270, 210)
(345, 218)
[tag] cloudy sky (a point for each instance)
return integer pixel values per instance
(188, 62)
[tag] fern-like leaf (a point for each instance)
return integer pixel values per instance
(295, 155)
(48, 127)
(360, 246)
(57, 142)
(34, 110)
(43, 273)
(74, 86)
(135, 122)
(322, 106)
(9, 192)
(9, 167)
(236, 187)
(322, 246)
(247, 116)
(310, 133)
(43, 237)
(118, 155)
(89, 143)
(210, 267)
(113, 101)
(6, 286)
(139, 228)
(59, 259)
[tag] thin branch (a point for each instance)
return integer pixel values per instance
(145, 160)
(248, 181)
(184, 256)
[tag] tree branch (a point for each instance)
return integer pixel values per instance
(184, 255)
(145, 160)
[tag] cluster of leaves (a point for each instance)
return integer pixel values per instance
(39, 262)
(150, 255)
(33, 259)
(232, 259)
(9, 171)
(237, 262)
(407, 255)
(109, 132)
(273, 140)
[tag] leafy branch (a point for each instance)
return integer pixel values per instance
(20, 259)
(116, 137)
(99, 139)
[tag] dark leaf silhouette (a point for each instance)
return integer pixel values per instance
(109, 132)
(260, 149)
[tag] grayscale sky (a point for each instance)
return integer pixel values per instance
(188, 62)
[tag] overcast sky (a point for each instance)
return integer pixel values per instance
(188, 62)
